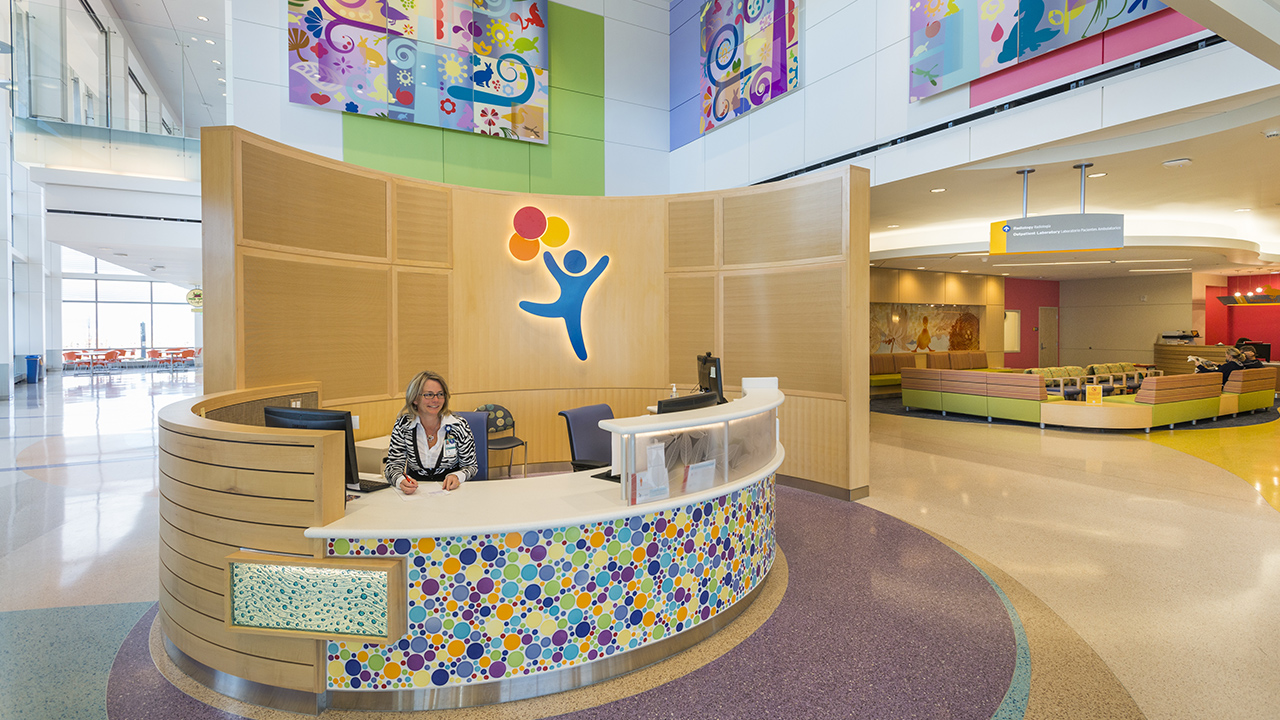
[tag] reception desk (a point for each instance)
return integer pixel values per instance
(498, 591)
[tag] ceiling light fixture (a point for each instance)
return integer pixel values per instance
(1150, 261)
(1096, 175)
(195, 39)
(1238, 293)
(202, 18)
(964, 271)
(1244, 209)
(210, 42)
(938, 190)
(892, 226)
(217, 62)
(1160, 270)
(919, 268)
(1178, 163)
(1004, 273)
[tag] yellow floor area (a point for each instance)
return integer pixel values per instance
(1251, 452)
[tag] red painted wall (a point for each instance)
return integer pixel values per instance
(1028, 296)
(1216, 328)
(1261, 323)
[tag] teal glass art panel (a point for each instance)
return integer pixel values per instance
(325, 600)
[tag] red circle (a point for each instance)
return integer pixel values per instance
(530, 222)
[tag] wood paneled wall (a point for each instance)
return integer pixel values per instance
(227, 487)
(411, 275)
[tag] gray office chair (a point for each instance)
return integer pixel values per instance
(477, 421)
(499, 421)
(589, 446)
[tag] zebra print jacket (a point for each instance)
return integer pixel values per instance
(457, 456)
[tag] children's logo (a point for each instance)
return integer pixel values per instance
(533, 230)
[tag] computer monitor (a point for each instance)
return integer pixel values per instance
(687, 402)
(709, 376)
(307, 419)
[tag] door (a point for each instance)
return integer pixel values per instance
(1048, 336)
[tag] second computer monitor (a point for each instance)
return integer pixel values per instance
(709, 376)
(309, 419)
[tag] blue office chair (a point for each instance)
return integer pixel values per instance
(499, 420)
(589, 446)
(476, 421)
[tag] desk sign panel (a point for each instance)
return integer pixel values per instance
(324, 600)
(1058, 233)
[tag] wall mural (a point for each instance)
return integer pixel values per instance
(750, 51)
(473, 65)
(956, 41)
(899, 328)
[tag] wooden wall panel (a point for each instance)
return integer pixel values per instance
(995, 290)
(316, 320)
(786, 324)
(219, 212)
(295, 676)
(916, 286)
(814, 432)
(966, 289)
(422, 326)
(498, 346)
(691, 233)
(422, 223)
(782, 224)
(691, 324)
(310, 205)
(884, 285)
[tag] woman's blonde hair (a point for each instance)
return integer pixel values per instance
(414, 391)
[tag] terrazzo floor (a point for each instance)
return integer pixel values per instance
(1144, 577)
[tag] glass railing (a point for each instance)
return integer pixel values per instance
(66, 145)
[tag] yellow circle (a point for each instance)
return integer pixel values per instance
(557, 232)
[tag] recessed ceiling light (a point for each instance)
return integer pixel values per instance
(1258, 290)
(202, 18)
(224, 94)
(919, 268)
(1237, 293)
(1249, 294)
(891, 226)
(1004, 273)
(938, 190)
(121, 254)
(195, 39)
(217, 62)
(210, 42)
(1160, 270)
(1095, 175)
(964, 271)
(222, 79)
(1177, 163)
(1244, 209)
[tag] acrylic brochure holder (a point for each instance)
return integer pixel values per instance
(690, 452)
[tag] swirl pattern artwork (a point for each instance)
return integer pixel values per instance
(328, 600)
(957, 41)
(750, 53)
(478, 66)
(491, 607)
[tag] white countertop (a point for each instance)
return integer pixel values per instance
(502, 506)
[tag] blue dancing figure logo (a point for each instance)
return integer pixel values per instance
(533, 229)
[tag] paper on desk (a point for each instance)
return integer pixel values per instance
(421, 493)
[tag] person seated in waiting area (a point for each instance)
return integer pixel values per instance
(1237, 359)
(429, 443)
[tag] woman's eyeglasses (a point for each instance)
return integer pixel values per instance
(433, 395)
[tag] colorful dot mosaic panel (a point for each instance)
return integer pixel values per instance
(489, 607)
(328, 600)
(478, 66)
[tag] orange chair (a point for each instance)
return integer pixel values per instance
(159, 359)
(72, 361)
(111, 358)
(188, 358)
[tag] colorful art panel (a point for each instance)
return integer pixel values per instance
(897, 327)
(493, 607)
(956, 41)
(458, 64)
(750, 54)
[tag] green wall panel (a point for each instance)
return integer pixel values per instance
(569, 165)
(577, 114)
(572, 163)
(395, 147)
(577, 50)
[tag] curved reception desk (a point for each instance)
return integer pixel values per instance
(501, 590)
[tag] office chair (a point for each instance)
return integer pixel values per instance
(477, 421)
(589, 446)
(499, 421)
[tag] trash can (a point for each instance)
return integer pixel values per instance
(35, 368)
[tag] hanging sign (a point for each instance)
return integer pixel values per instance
(1058, 233)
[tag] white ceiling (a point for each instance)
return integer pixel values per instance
(173, 43)
(1220, 213)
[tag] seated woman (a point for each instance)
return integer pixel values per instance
(1237, 359)
(429, 443)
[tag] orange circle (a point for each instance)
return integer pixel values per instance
(641, 600)
(391, 671)
(649, 618)
(584, 599)
(522, 249)
(426, 545)
(511, 642)
(512, 540)
(457, 648)
(505, 611)
(638, 555)
(597, 539)
(452, 566)
(557, 232)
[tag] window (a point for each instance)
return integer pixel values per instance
(1013, 331)
(100, 309)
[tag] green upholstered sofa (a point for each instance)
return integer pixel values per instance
(886, 368)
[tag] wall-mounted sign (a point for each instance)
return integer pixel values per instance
(195, 298)
(533, 230)
(1058, 233)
